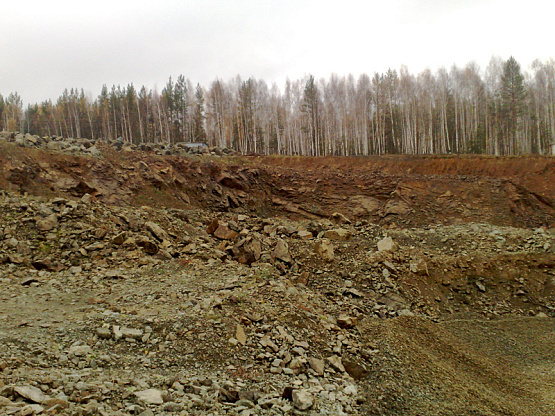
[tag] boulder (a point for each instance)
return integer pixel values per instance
(240, 335)
(335, 362)
(281, 252)
(302, 399)
(387, 244)
(338, 234)
(317, 365)
(223, 232)
(324, 248)
(346, 321)
(48, 223)
(150, 396)
(31, 393)
(397, 207)
(156, 231)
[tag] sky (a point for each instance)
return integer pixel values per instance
(46, 46)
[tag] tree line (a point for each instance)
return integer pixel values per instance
(500, 111)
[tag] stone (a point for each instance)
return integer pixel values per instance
(387, 244)
(119, 239)
(223, 232)
(397, 207)
(350, 390)
(28, 280)
(31, 393)
(302, 399)
(30, 410)
(346, 322)
(150, 396)
(304, 235)
(4, 402)
(240, 335)
(356, 371)
(56, 402)
(80, 350)
(335, 362)
(296, 365)
(247, 252)
(213, 226)
(367, 204)
(149, 247)
(156, 231)
(131, 333)
(317, 365)
(48, 223)
(339, 218)
(419, 266)
(324, 248)
(244, 403)
(338, 234)
(281, 252)
(172, 407)
(147, 412)
(117, 332)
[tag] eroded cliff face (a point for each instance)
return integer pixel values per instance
(391, 190)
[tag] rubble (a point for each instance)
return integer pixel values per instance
(134, 309)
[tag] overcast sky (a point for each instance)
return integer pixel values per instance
(49, 45)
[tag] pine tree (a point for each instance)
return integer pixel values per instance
(512, 94)
(199, 132)
(181, 101)
(310, 107)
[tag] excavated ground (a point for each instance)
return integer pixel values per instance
(134, 282)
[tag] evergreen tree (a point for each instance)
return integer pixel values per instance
(199, 132)
(181, 102)
(512, 94)
(310, 107)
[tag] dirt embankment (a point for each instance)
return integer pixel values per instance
(404, 191)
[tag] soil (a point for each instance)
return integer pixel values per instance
(204, 280)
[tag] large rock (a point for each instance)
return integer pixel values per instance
(317, 365)
(304, 234)
(302, 400)
(355, 370)
(80, 350)
(48, 223)
(419, 266)
(131, 333)
(223, 232)
(335, 362)
(31, 393)
(324, 248)
(387, 244)
(157, 231)
(281, 252)
(247, 251)
(338, 234)
(367, 204)
(346, 321)
(397, 207)
(240, 335)
(150, 396)
(213, 226)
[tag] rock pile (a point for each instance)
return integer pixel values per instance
(93, 147)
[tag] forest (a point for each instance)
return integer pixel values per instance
(502, 110)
